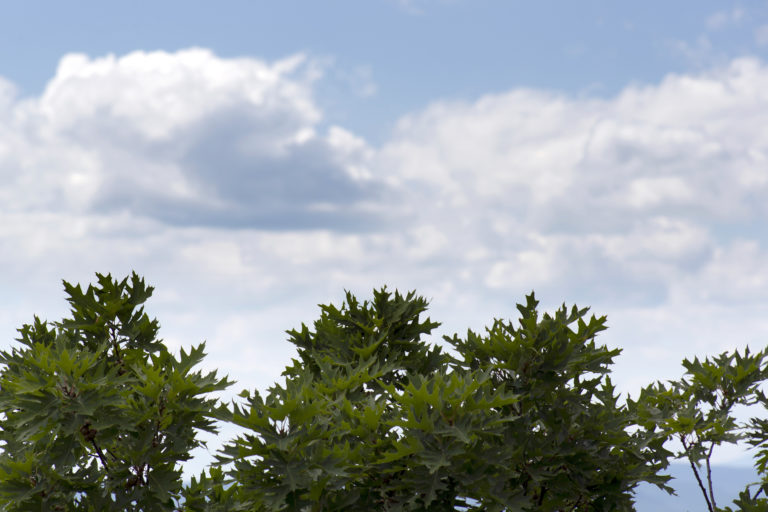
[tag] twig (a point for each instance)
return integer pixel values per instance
(698, 479)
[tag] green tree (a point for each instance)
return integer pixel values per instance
(371, 417)
(96, 413)
(699, 412)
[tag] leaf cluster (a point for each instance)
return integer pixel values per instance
(96, 413)
(699, 412)
(371, 418)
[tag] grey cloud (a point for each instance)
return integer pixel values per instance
(244, 178)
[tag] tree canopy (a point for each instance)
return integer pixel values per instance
(97, 414)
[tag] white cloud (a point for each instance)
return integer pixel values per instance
(644, 192)
(185, 137)
(737, 273)
(7, 96)
(761, 35)
(360, 81)
(699, 51)
(142, 91)
(631, 192)
(725, 18)
(215, 179)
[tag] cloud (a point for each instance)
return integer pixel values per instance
(360, 81)
(699, 52)
(419, 7)
(761, 35)
(722, 19)
(187, 138)
(609, 198)
(217, 180)
(410, 6)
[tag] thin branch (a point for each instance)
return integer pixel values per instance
(709, 475)
(100, 454)
(701, 485)
(698, 478)
(115, 341)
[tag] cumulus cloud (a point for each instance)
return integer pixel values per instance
(187, 138)
(623, 196)
(649, 205)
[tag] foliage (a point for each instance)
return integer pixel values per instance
(699, 412)
(371, 418)
(96, 413)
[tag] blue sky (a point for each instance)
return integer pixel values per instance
(254, 159)
(410, 52)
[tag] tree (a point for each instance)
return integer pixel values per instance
(96, 413)
(370, 417)
(698, 411)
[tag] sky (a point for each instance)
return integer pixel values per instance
(255, 159)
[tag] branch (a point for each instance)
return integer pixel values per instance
(90, 435)
(100, 454)
(115, 341)
(709, 474)
(696, 474)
